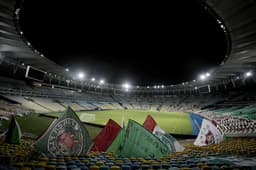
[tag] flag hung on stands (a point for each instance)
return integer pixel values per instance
(102, 141)
(169, 140)
(139, 142)
(149, 123)
(166, 138)
(65, 136)
(13, 134)
(117, 144)
(209, 134)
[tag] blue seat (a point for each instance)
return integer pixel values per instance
(145, 167)
(61, 167)
(126, 167)
(156, 166)
(104, 167)
(165, 166)
(83, 167)
(135, 166)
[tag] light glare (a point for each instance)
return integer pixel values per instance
(248, 74)
(81, 75)
(202, 77)
(126, 85)
(102, 82)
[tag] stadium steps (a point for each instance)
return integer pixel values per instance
(95, 105)
(80, 105)
(50, 110)
(121, 104)
(60, 103)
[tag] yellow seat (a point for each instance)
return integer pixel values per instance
(114, 167)
(94, 167)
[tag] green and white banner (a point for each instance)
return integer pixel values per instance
(139, 142)
(65, 136)
(13, 134)
(209, 134)
(169, 140)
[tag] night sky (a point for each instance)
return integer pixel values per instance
(144, 43)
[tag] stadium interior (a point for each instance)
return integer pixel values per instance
(36, 90)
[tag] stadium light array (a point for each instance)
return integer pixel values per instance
(126, 85)
(80, 75)
(202, 77)
(93, 79)
(162, 86)
(248, 74)
(102, 81)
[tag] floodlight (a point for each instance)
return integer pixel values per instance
(208, 74)
(194, 80)
(126, 85)
(162, 86)
(137, 87)
(147, 87)
(195, 88)
(101, 81)
(67, 70)
(154, 87)
(202, 77)
(248, 74)
(93, 79)
(80, 75)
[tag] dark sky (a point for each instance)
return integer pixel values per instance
(144, 43)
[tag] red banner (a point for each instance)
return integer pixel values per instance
(106, 136)
(149, 123)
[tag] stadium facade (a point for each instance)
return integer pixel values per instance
(235, 18)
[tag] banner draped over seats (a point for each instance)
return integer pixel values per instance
(196, 122)
(106, 136)
(149, 123)
(166, 138)
(13, 134)
(209, 134)
(65, 136)
(169, 140)
(117, 145)
(139, 142)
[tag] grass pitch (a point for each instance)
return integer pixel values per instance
(171, 122)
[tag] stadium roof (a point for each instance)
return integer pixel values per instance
(236, 18)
